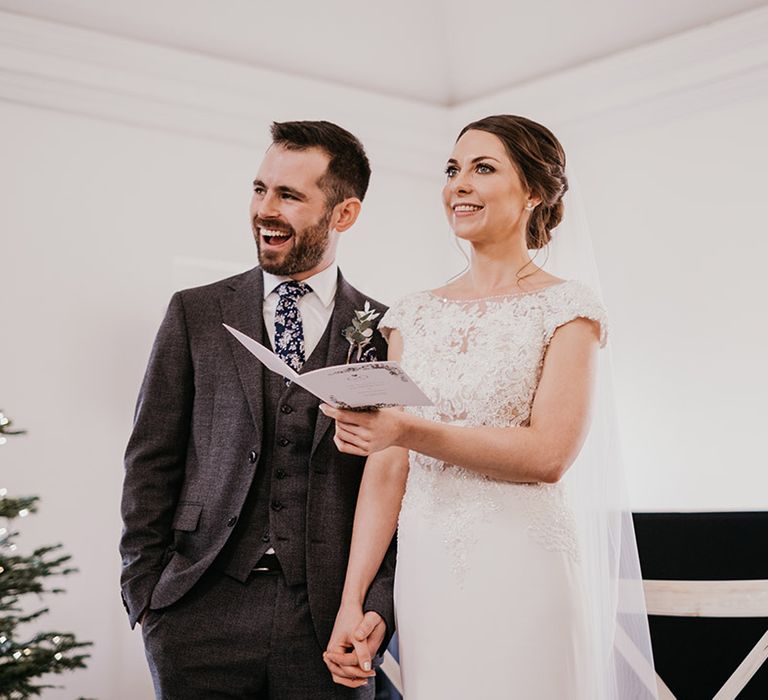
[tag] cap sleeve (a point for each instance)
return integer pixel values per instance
(391, 320)
(576, 300)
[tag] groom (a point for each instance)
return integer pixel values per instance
(237, 506)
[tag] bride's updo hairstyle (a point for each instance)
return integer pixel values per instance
(539, 160)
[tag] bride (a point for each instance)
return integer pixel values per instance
(508, 567)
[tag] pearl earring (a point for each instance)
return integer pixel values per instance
(529, 206)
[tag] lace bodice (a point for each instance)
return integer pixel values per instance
(480, 362)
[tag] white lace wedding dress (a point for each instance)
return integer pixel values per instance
(489, 593)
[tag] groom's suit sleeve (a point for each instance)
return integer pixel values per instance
(155, 461)
(379, 597)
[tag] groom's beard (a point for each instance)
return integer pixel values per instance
(302, 252)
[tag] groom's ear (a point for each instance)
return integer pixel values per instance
(345, 214)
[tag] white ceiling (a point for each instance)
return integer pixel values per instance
(440, 52)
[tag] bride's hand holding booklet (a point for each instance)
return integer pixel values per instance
(360, 385)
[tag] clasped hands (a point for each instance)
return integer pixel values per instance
(355, 639)
(364, 432)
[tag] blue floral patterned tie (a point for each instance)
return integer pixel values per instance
(289, 331)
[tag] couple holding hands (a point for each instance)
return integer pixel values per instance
(271, 543)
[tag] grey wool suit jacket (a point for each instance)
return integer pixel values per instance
(198, 418)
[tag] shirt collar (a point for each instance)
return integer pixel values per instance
(323, 283)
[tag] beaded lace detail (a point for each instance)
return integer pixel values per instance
(480, 362)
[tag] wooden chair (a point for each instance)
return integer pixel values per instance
(718, 599)
(706, 590)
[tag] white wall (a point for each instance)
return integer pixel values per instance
(681, 241)
(126, 172)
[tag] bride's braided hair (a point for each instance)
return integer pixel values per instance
(539, 160)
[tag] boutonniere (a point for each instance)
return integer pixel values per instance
(359, 334)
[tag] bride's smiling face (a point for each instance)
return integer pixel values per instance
(484, 197)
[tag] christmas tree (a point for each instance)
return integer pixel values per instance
(24, 656)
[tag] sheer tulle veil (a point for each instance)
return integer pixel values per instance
(597, 490)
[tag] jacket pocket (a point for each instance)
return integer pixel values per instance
(187, 516)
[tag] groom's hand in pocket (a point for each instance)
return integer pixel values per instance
(353, 645)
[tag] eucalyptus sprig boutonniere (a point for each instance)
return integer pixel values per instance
(359, 334)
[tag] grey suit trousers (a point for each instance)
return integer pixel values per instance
(227, 640)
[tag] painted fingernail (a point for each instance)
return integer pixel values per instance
(367, 666)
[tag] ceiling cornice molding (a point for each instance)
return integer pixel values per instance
(68, 69)
(56, 66)
(718, 62)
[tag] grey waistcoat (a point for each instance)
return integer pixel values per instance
(274, 514)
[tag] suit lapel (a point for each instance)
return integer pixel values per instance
(242, 310)
(344, 307)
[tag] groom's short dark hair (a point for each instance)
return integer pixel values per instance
(348, 171)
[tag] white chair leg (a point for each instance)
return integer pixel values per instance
(392, 671)
(640, 666)
(746, 669)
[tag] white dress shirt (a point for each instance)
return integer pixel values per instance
(315, 308)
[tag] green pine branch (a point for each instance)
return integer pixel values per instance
(48, 652)
(18, 507)
(23, 574)
(5, 426)
(22, 660)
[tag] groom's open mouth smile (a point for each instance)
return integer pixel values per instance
(275, 238)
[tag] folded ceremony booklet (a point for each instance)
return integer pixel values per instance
(360, 385)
